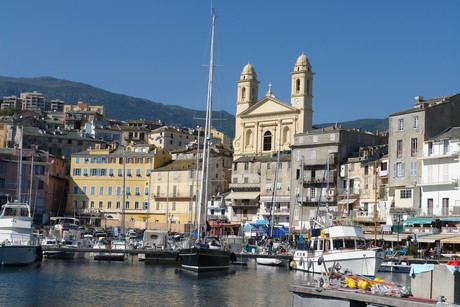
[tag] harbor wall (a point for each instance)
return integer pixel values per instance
(438, 282)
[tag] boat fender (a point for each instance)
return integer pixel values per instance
(309, 263)
(301, 261)
(293, 264)
(320, 260)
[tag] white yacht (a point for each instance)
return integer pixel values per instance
(18, 246)
(339, 246)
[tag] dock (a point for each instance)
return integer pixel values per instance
(312, 296)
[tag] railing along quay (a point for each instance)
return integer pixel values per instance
(148, 251)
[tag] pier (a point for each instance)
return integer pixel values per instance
(312, 296)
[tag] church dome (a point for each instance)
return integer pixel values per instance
(302, 63)
(248, 72)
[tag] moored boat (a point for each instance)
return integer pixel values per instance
(107, 250)
(65, 233)
(18, 246)
(202, 257)
(344, 245)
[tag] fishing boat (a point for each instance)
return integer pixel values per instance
(338, 245)
(205, 256)
(65, 233)
(18, 246)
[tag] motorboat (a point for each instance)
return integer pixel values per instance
(112, 250)
(65, 233)
(208, 255)
(341, 247)
(394, 264)
(18, 245)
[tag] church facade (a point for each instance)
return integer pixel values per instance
(264, 133)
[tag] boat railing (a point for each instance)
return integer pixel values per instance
(18, 239)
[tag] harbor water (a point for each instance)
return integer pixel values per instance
(132, 283)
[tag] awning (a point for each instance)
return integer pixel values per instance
(451, 240)
(434, 238)
(345, 201)
(385, 237)
(418, 221)
(450, 219)
(243, 195)
(277, 199)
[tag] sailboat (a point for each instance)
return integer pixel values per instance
(207, 254)
(18, 246)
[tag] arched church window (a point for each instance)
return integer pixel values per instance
(267, 141)
(286, 135)
(297, 85)
(243, 93)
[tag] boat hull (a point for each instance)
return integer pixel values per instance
(272, 261)
(204, 259)
(358, 262)
(394, 268)
(19, 254)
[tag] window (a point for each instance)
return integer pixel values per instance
(267, 141)
(109, 190)
(366, 183)
(92, 190)
(312, 193)
(83, 204)
(120, 172)
(118, 204)
(127, 204)
(145, 205)
(91, 203)
(429, 206)
(100, 204)
(147, 172)
(415, 122)
(401, 124)
(400, 169)
(109, 204)
(136, 205)
(83, 190)
(430, 148)
(406, 194)
(77, 160)
(77, 172)
(128, 190)
(101, 190)
(246, 166)
(118, 191)
(111, 172)
(278, 185)
(413, 147)
(39, 170)
(138, 190)
(146, 190)
(138, 172)
(446, 147)
(445, 206)
(128, 172)
(413, 168)
(399, 145)
(75, 189)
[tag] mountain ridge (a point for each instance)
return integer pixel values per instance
(124, 107)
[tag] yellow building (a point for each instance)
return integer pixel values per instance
(97, 180)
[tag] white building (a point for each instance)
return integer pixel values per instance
(440, 174)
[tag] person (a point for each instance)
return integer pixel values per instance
(270, 245)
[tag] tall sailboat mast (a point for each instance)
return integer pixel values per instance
(206, 144)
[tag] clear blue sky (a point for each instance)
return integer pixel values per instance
(370, 57)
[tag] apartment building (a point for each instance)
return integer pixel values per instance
(34, 101)
(440, 174)
(113, 183)
(77, 116)
(318, 157)
(408, 130)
